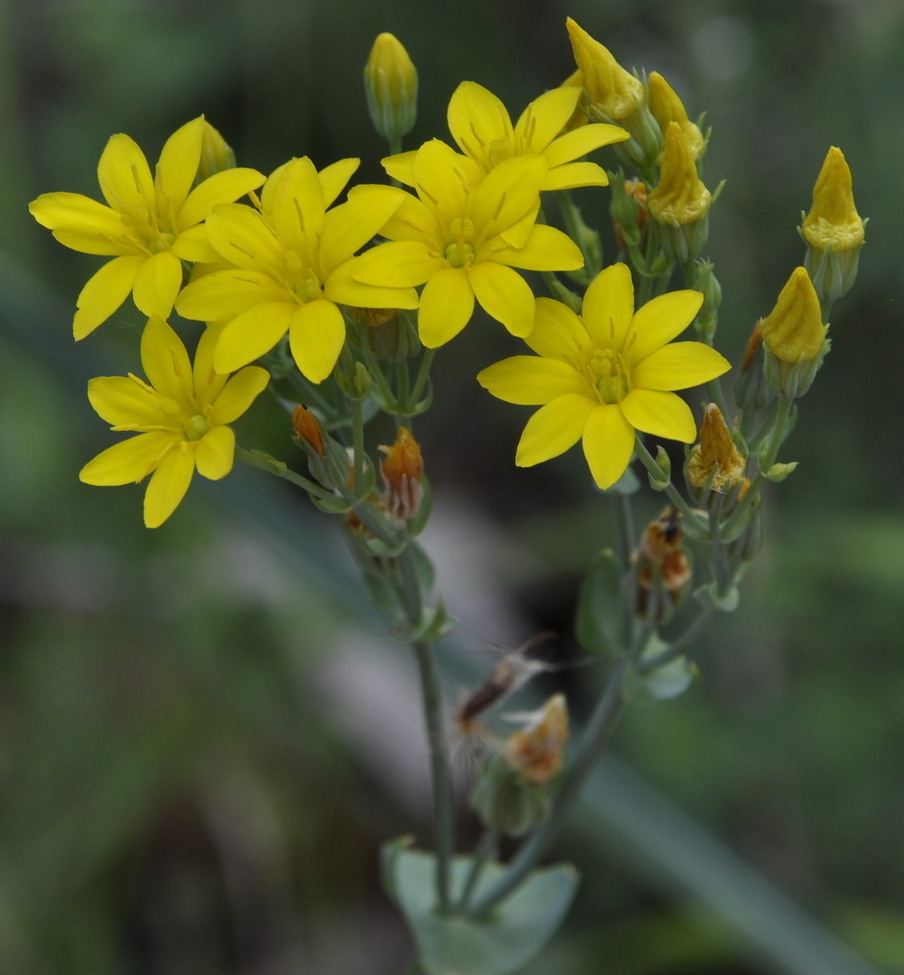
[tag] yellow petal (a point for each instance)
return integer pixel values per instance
(396, 264)
(545, 249)
(127, 462)
(400, 166)
(335, 177)
(574, 174)
(504, 295)
(342, 287)
(608, 444)
(679, 365)
(316, 337)
(223, 187)
(558, 332)
(506, 194)
(479, 122)
(215, 453)
(238, 394)
(553, 429)
(177, 166)
(661, 413)
(125, 403)
(103, 293)
(529, 380)
(166, 363)
(297, 204)
(252, 334)
(168, 485)
(578, 142)
(659, 321)
(82, 223)
(125, 177)
(224, 294)
(241, 236)
(446, 306)
(608, 306)
(545, 117)
(157, 282)
(349, 226)
(193, 245)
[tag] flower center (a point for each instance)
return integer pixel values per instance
(196, 427)
(499, 150)
(609, 375)
(459, 252)
(144, 226)
(301, 278)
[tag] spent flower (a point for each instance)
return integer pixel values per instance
(604, 374)
(180, 416)
(149, 225)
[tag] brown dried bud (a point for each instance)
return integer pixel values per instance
(403, 469)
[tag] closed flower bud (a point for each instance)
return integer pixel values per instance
(794, 337)
(216, 154)
(390, 81)
(309, 430)
(616, 96)
(680, 202)
(403, 470)
(715, 464)
(667, 107)
(833, 230)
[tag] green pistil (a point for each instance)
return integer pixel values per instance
(196, 427)
(609, 375)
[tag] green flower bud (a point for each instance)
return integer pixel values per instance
(390, 82)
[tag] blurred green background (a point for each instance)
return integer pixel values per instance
(204, 737)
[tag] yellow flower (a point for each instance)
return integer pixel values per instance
(481, 126)
(390, 83)
(180, 416)
(461, 237)
(150, 224)
(680, 198)
(602, 375)
(793, 331)
(667, 107)
(290, 268)
(614, 92)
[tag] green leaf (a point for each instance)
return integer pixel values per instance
(455, 945)
(598, 612)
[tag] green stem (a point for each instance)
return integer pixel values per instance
(673, 494)
(595, 738)
(480, 858)
(270, 464)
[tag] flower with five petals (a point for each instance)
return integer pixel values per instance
(602, 375)
(180, 417)
(149, 225)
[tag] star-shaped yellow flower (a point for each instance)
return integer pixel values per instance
(605, 374)
(462, 236)
(180, 416)
(290, 267)
(149, 226)
(483, 130)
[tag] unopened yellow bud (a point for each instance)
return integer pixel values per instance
(216, 154)
(536, 751)
(794, 337)
(715, 463)
(680, 201)
(667, 107)
(390, 81)
(403, 469)
(833, 230)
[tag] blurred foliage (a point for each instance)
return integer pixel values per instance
(179, 789)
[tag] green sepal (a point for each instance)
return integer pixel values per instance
(662, 683)
(599, 606)
(726, 602)
(778, 472)
(498, 945)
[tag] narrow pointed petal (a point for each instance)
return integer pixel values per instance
(530, 381)
(446, 306)
(342, 287)
(125, 177)
(553, 429)
(239, 393)
(504, 295)
(396, 264)
(168, 485)
(226, 186)
(546, 249)
(558, 332)
(128, 461)
(578, 142)
(659, 321)
(297, 205)
(252, 334)
(400, 166)
(334, 178)
(215, 453)
(545, 117)
(679, 365)
(316, 337)
(240, 235)
(609, 306)
(225, 294)
(166, 363)
(178, 163)
(507, 193)
(571, 175)
(157, 282)
(349, 226)
(477, 119)
(82, 223)
(206, 381)
(661, 413)
(193, 245)
(608, 444)
(123, 402)
(103, 293)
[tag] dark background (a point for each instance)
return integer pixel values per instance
(204, 737)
